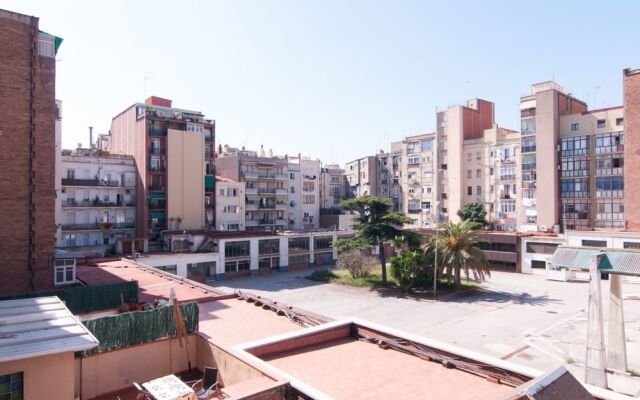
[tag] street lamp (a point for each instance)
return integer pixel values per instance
(435, 265)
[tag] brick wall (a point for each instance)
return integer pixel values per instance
(16, 35)
(631, 88)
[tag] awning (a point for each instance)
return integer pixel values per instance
(616, 261)
(158, 214)
(528, 104)
(208, 181)
(157, 196)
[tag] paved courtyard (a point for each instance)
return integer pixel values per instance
(521, 318)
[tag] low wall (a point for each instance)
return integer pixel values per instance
(298, 342)
(110, 371)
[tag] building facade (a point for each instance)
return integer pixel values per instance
(266, 180)
(416, 178)
(98, 204)
(174, 150)
(230, 205)
(28, 137)
(362, 176)
(333, 188)
(304, 193)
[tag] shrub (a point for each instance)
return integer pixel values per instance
(407, 268)
(355, 263)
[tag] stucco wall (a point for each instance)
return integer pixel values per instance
(185, 180)
(45, 377)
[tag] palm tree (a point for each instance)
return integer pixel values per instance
(459, 250)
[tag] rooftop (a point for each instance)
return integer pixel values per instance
(40, 326)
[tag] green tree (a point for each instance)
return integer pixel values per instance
(459, 250)
(376, 223)
(407, 268)
(474, 212)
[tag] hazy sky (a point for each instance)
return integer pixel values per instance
(335, 80)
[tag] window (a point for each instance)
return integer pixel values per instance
(232, 192)
(609, 186)
(300, 244)
(221, 192)
(529, 144)
(468, 156)
(574, 167)
(631, 245)
(491, 171)
(231, 209)
(574, 146)
(539, 264)
(65, 272)
(71, 174)
(299, 259)
(323, 242)
(426, 205)
(508, 206)
(308, 199)
(619, 121)
(478, 155)
(478, 173)
(469, 190)
(413, 160)
(426, 145)
(292, 189)
(469, 174)
(575, 127)
(478, 190)
(443, 167)
(269, 246)
(601, 123)
(196, 270)
(594, 243)
(237, 249)
(196, 128)
(574, 188)
(507, 172)
(308, 186)
(292, 175)
(491, 189)
(233, 227)
(411, 147)
(12, 386)
(541, 248)
(610, 142)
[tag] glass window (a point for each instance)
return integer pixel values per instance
(12, 386)
(323, 242)
(601, 123)
(237, 249)
(299, 244)
(299, 259)
(64, 271)
(575, 127)
(426, 145)
(610, 142)
(269, 246)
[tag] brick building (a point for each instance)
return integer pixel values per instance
(27, 129)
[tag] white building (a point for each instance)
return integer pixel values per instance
(97, 199)
(204, 256)
(230, 205)
(304, 193)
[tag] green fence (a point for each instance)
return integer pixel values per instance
(86, 299)
(124, 330)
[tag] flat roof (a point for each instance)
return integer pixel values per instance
(233, 321)
(347, 368)
(153, 283)
(40, 326)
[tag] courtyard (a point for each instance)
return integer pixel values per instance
(521, 318)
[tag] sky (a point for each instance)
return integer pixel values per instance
(334, 80)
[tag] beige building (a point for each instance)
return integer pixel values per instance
(416, 178)
(266, 180)
(362, 176)
(173, 149)
(304, 193)
(230, 205)
(333, 187)
(390, 174)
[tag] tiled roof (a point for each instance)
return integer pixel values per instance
(617, 261)
(40, 326)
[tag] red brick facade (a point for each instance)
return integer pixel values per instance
(631, 88)
(27, 140)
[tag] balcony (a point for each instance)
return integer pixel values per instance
(281, 221)
(266, 191)
(281, 206)
(414, 211)
(158, 132)
(156, 169)
(251, 207)
(81, 227)
(529, 149)
(69, 203)
(96, 182)
(251, 222)
(282, 192)
(271, 175)
(156, 150)
(251, 190)
(250, 175)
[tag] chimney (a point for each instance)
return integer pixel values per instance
(91, 137)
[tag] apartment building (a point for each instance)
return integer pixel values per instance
(417, 180)
(389, 168)
(230, 205)
(540, 113)
(266, 179)
(173, 149)
(362, 176)
(304, 193)
(473, 153)
(333, 187)
(28, 137)
(97, 198)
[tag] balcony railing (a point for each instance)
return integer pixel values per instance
(96, 182)
(98, 203)
(528, 149)
(155, 150)
(97, 226)
(156, 169)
